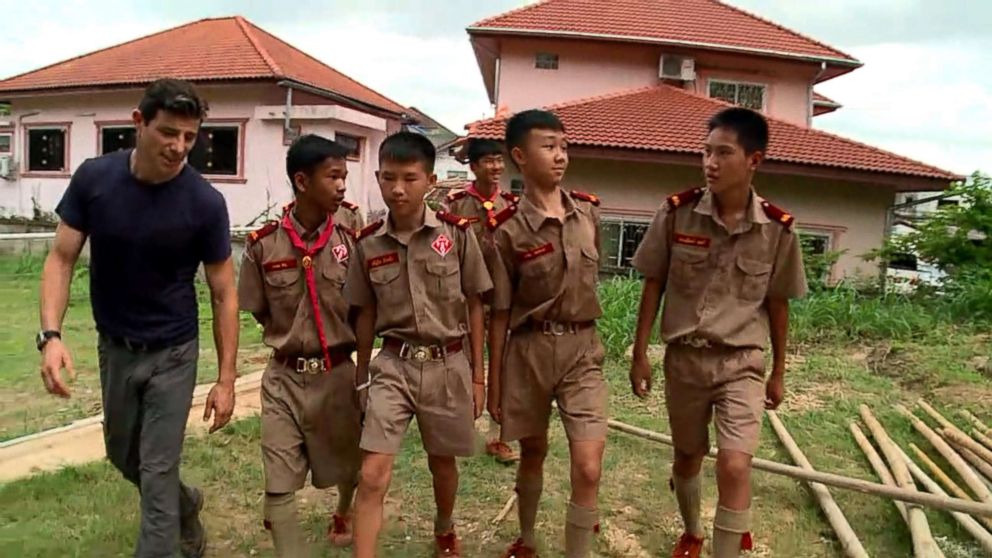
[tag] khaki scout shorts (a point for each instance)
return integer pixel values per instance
(725, 379)
(568, 369)
(310, 422)
(438, 393)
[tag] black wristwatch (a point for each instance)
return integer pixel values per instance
(45, 335)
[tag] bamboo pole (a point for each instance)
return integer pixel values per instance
(923, 543)
(969, 523)
(830, 479)
(980, 466)
(948, 482)
(943, 422)
(961, 439)
(977, 423)
(967, 474)
(881, 469)
(845, 534)
(506, 509)
(982, 438)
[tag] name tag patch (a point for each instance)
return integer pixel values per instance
(385, 259)
(535, 253)
(690, 240)
(279, 265)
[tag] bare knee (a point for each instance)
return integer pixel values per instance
(534, 449)
(733, 468)
(441, 465)
(375, 476)
(587, 472)
(687, 465)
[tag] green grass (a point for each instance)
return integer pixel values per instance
(25, 407)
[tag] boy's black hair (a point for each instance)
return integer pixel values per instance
(172, 95)
(408, 147)
(523, 122)
(479, 148)
(750, 126)
(308, 152)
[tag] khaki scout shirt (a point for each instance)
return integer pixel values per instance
(717, 280)
(273, 287)
(548, 268)
(350, 218)
(420, 288)
(471, 207)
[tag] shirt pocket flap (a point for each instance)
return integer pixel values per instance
(282, 278)
(442, 269)
(385, 274)
(753, 267)
(690, 257)
(334, 273)
(590, 252)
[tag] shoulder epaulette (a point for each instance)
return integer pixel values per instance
(778, 214)
(348, 231)
(262, 232)
(682, 198)
(349, 206)
(501, 217)
(510, 197)
(456, 195)
(461, 222)
(369, 229)
(591, 198)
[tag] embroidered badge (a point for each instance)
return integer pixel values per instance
(442, 245)
(279, 265)
(535, 252)
(340, 253)
(690, 240)
(385, 259)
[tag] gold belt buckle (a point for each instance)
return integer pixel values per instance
(697, 342)
(309, 365)
(553, 328)
(421, 354)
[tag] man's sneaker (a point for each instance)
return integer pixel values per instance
(688, 547)
(339, 531)
(518, 550)
(193, 537)
(502, 451)
(447, 545)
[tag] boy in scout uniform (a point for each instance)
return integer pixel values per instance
(291, 280)
(545, 295)
(481, 202)
(417, 281)
(729, 262)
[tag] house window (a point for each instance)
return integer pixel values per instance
(353, 143)
(48, 149)
(457, 174)
(905, 262)
(546, 61)
(815, 243)
(517, 186)
(6, 142)
(947, 203)
(620, 239)
(747, 95)
(217, 150)
(117, 138)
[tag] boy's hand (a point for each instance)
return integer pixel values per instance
(775, 390)
(479, 397)
(493, 402)
(640, 376)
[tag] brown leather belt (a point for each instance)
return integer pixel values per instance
(314, 363)
(550, 327)
(420, 353)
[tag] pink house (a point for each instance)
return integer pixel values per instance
(262, 93)
(635, 81)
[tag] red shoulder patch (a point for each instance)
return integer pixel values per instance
(371, 228)
(682, 198)
(262, 232)
(510, 197)
(461, 222)
(349, 206)
(501, 217)
(778, 214)
(456, 195)
(591, 198)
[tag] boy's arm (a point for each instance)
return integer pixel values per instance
(361, 298)
(788, 281)
(477, 334)
(499, 320)
(651, 259)
(251, 291)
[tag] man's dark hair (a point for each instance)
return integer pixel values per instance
(308, 152)
(479, 148)
(408, 147)
(523, 122)
(751, 127)
(172, 95)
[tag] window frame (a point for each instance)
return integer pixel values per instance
(458, 175)
(9, 132)
(360, 149)
(241, 124)
(551, 61)
(737, 83)
(65, 172)
(623, 222)
(101, 125)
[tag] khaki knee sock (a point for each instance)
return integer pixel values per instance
(528, 498)
(729, 527)
(280, 517)
(687, 492)
(580, 525)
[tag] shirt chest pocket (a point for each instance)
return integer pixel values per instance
(385, 284)
(589, 266)
(443, 280)
(754, 277)
(283, 287)
(688, 268)
(331, 286)
(539, 278)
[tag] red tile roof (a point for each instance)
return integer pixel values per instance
(667, 119)
(230, 48)
(823, 104)
(702, 23)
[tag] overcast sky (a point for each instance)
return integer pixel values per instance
(925, 90)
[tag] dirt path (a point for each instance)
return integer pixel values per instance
(82, 441)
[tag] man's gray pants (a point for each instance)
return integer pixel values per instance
(146, 401)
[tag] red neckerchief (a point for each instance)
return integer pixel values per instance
(307, 262)
(489, 204)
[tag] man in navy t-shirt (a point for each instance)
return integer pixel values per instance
(151, 220)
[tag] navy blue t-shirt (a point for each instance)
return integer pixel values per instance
(146, 243)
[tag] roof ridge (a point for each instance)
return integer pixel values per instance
(244, 24)
(511, 12)
(784, 28)
(111, 47)
(325, 65)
